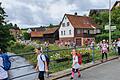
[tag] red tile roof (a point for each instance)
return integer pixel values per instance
(81, 21)
(50, 30)
(36, 34)
(41, 33)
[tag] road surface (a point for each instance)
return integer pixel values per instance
(106, 71)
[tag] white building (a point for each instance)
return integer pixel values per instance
(78, 29)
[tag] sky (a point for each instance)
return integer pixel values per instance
(35, 13)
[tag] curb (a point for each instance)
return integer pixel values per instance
(84, 68)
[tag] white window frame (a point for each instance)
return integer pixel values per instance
(68, 23)
(91, 32)
(78, 31)
(63, 24)
(85, 31)
(98, 31)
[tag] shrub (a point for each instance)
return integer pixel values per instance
(26, 36)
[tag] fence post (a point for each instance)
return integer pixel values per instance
(47, 51)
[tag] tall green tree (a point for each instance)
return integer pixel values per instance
(116, 16)
(5, 36)
(102, 19)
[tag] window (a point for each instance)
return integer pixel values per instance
(98, 31)
(69, 32)
(67, 23)
(85, 31)
(63, 24)
(78, 31)
(64, 32)
(61, 32)
(94, 31)
(91, 31)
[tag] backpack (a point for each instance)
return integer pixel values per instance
(6, 62)
(47, 59)
(79, 58)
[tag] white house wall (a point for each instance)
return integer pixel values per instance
(66, 29)
(118, 5)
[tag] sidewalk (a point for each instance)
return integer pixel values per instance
(67, 72)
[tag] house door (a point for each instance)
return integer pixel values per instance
(78, 41)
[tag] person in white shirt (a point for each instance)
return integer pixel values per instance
(114, 44)
(41, 64)
(75, 65)
(118, 45)
(3, 73)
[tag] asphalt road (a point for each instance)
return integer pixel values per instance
(105, 71)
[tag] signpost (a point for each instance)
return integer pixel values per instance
(112, 27)
(93, 48)
(109, 24)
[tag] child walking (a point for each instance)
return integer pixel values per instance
(75, 65)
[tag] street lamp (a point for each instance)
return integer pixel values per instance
(109, 24)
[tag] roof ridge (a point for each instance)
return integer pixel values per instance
(76, 15)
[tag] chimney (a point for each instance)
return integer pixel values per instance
(75, 13)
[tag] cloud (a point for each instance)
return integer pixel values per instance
(56, 9)
(43, 12)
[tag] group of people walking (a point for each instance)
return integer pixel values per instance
(43, 61)
(104, 47)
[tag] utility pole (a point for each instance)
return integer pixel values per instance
(109, 24)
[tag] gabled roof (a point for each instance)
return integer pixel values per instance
(36, 34)
(41, 33)
(80, 21)
(50, 30)
(115, 4)
(38, 29)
